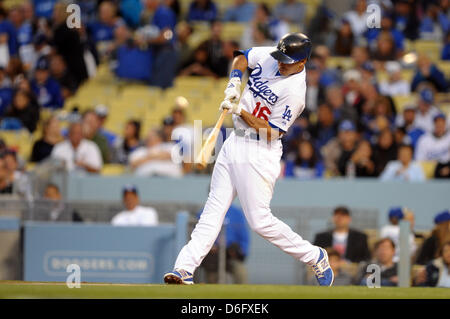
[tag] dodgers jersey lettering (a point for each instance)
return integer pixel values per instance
(269, 95)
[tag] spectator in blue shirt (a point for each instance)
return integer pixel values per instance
(8, 33)
(43, 8)
(404, 168)
(305, 163)
(387, 24)
(291, 11)
(445, 54)
(162, 43)
(6, 91)
(242, 11)
(46, 89)
(426, 71)
(23, 28)
(434, 23)
(103, 30)
(202, 10)
(237, 243)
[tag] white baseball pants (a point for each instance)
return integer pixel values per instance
(246, 168)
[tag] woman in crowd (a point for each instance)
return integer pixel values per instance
(23, 109)
(129, 142)
(51, 135)
(305, 164)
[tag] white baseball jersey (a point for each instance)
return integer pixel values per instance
(431, 148)
(248, 168)
(269, 95)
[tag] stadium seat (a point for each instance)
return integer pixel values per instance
(21, 141)
(428, 168)
(401, 101)
(430, 48)
(113, 169)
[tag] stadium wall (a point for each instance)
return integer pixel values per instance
(425, 199)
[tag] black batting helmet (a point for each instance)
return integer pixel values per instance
(292, 47)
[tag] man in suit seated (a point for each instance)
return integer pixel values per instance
(350, 243)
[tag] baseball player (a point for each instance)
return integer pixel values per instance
(248, 163)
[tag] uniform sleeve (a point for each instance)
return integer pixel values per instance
(287, 110)
(255, 54)
(421, 149)
(95, 160)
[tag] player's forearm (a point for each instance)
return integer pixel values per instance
(239, 63)
(261, 126)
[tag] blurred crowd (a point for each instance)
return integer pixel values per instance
(352, 125)
(353, 253)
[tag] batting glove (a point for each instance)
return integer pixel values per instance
(235, 108)
(233, 90)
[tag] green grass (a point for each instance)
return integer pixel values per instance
(9, 289)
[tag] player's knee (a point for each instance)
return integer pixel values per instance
(262, 224)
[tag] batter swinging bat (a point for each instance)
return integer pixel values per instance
(206, 151)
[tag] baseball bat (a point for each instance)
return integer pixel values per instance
(206, 151)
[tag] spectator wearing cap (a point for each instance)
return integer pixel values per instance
(437, 272)
(404, 168)
(426, 111)
(78, 153)
(350, 243)
(392, 231)
(102, 113)
(45, 87)
(426, 71)
(155, 158)
(406, 120)
(394, 85)
(439, 236)
(340, 147)
(435, 146)
(131, 140)
(135, 214)
(240, 11)
(367, 70)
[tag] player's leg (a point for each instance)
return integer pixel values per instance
(255, 192)
(222, 193)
